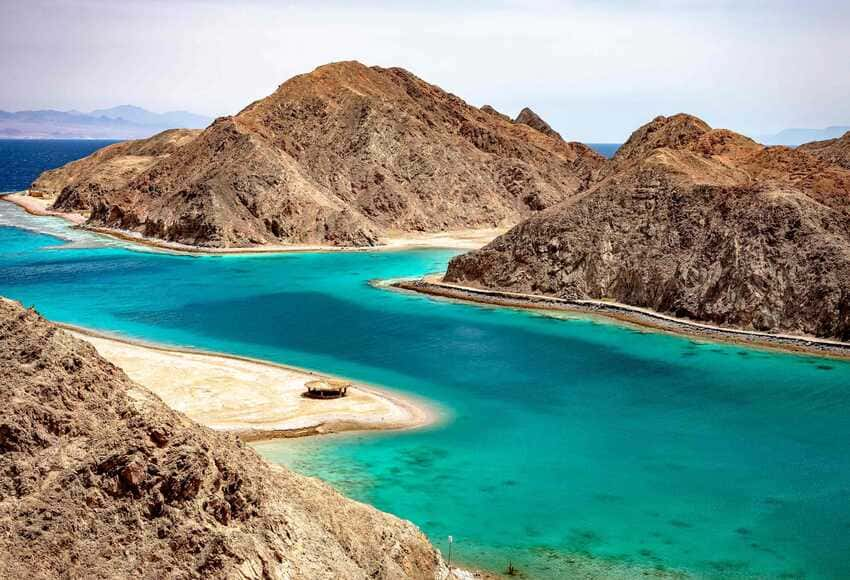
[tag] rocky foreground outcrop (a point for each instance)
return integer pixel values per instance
(99, 479)
(834, 151)
(696, 222)
(344, 155)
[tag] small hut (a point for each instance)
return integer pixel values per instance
(327, 388)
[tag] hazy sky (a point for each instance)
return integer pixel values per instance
(594, 69)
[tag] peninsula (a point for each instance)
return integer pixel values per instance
(698, 223)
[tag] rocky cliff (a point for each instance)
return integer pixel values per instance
(99, 479)
(834, 151)
(697, 222)
(345, 155)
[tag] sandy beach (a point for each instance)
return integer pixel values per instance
(255, 399)
(433, 285)
(468, 239)
(41, 206)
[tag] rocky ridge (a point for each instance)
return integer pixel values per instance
(533, 120)
(833, 151)
(99, 479)
(79, 185)
(696, 222)
(345, 155)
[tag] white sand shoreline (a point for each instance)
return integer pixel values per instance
(468, 239)
(258, 400)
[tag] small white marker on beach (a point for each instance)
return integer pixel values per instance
(451, 541)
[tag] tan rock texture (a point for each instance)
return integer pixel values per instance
(82, 183)
(344, 155)
(533, 120)
(490, 110)
(696, 222)
(834, 151)
(99, 479)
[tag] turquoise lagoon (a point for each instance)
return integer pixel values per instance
(564, 438)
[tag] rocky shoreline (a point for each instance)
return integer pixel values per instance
(101, 479)
(624, 313)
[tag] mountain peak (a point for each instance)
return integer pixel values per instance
(533, 120)
(342, 155)
(490, 110)
(674, 132)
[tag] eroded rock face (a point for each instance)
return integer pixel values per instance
(344, 155)
(99, 479)
(694, 222)
(833, 151)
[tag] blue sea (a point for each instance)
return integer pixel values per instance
(21, 161)
(566, 439)
(605, 149)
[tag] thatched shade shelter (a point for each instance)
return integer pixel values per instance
(327, 388)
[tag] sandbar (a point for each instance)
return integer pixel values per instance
(255, 399)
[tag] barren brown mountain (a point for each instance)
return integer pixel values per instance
(99, 479)
(834, 151)
(345, 155)
(697, 222)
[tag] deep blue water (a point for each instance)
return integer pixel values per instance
(605, 149)
(565, 439)
(21, 161)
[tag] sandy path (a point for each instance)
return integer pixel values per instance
(255, 399)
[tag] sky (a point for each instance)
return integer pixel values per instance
(594, 69)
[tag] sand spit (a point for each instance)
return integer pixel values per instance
(41, 207)
(255, 399)
(434, 286)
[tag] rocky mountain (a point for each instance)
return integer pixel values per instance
(530, 118)
(345, 155)
(124, 122)
(99, 479)
(82, 183)
(834, 151)
(696, 222)
(490, 110)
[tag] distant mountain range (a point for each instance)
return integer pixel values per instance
(794, 137)
(122, 122)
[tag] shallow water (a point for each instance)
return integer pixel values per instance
(563, 437)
